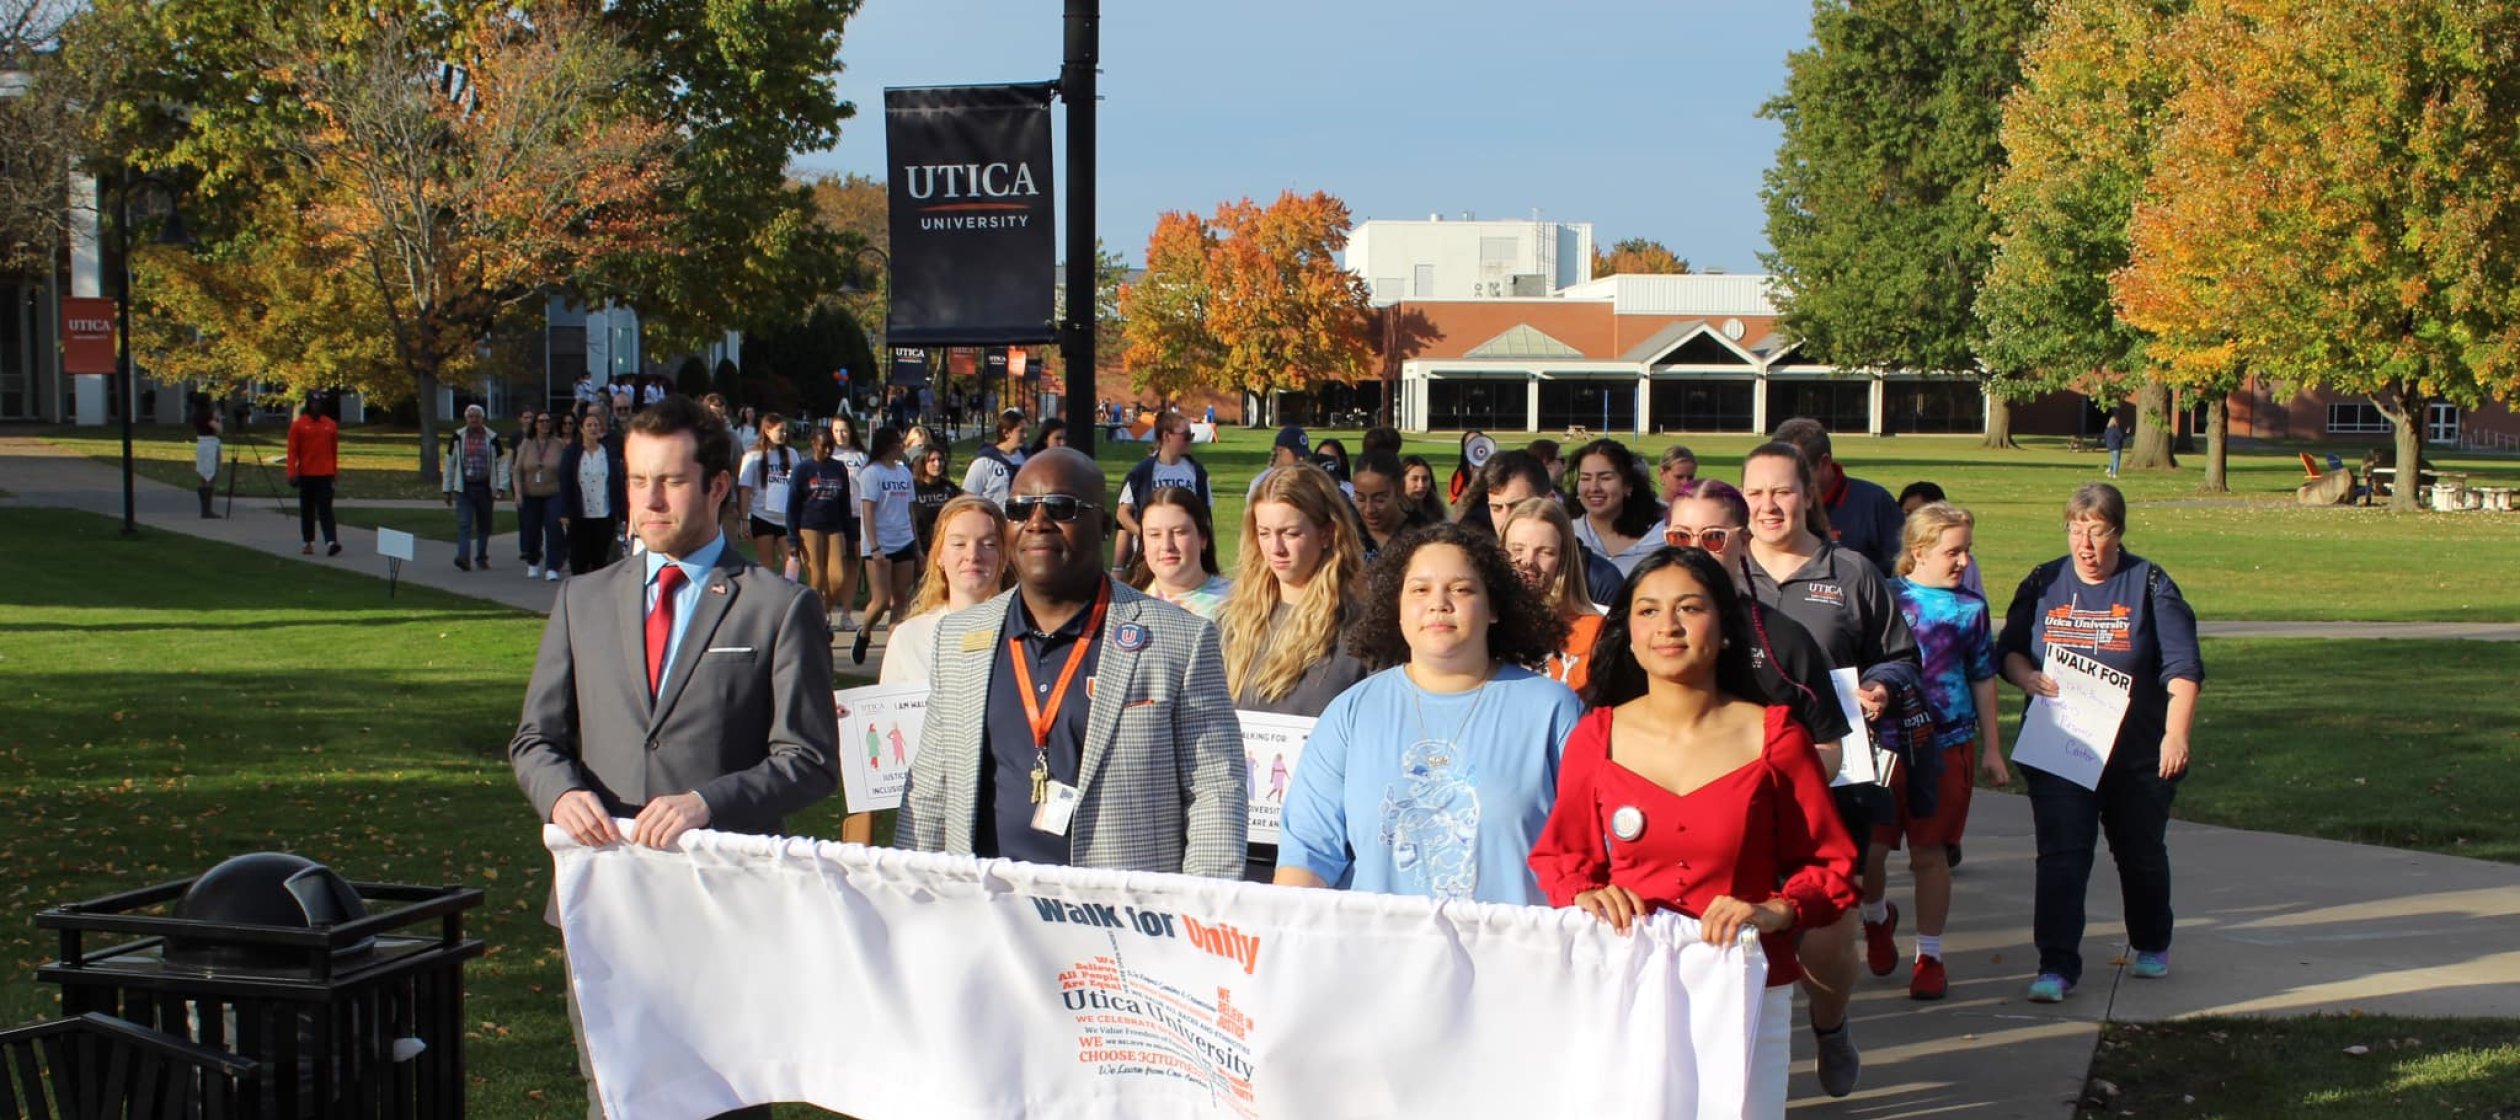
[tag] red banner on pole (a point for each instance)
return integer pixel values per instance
(87, 335)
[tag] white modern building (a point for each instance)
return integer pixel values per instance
(1465, 258)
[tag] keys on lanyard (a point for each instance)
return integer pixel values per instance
(1043, 718)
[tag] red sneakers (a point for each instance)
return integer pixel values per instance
(1928, 982)
(1881, 950)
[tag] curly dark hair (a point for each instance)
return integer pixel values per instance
(1639, 512)
(1616, 676)
(1525, 632)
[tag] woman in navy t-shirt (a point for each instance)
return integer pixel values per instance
(2121, 610)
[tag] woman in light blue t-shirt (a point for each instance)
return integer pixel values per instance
(1435, 776)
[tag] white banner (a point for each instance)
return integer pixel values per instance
(745, 970)
(1272, 745)
(879, 738)
(2071, 736)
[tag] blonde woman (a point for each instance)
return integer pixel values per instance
(1294, 596)
(967, 566)
(1540, 541)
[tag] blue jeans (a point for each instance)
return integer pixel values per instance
(473, 508)
(538, 533)
(2132, 807)
(2114, 454)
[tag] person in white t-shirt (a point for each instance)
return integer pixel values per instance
(763, 480)
(992, 472)
(887, 536)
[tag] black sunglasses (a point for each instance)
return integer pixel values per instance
(1059, 507)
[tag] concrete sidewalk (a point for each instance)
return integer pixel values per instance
(2268, 924)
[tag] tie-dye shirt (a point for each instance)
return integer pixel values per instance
(1958, 648)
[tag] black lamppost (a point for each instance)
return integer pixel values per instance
(859, 285)
(172, 233)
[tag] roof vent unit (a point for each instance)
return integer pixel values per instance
(1530, 285)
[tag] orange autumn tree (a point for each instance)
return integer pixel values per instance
(455, 183)
(2340, 206)
(1168, 349)
(1638, 256)
(1252, 300)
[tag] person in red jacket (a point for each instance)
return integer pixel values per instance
(314, 461)
(1684, 789)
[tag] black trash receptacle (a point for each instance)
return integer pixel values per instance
(354, 1010)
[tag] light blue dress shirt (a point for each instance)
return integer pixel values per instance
(697, 569)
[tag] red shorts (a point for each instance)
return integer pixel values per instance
(1951, 803)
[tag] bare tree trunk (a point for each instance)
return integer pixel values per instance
(2412, 409)
(2217, 446)
(1998, 424)
(2150, 449)
(2182, 441)
(425, 391)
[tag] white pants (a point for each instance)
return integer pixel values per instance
(1771, 1054)
(206, 457)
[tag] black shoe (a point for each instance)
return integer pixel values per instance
(333, 548)
(1952, 854)
(857, 649)
(460, 562)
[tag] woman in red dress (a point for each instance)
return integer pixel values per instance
(1683, 789)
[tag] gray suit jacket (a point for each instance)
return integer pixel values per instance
(746, 718)
(1161, 785)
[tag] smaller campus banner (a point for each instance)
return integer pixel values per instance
(879, 739)
(973, 221)
(87, 335)
(747, 970)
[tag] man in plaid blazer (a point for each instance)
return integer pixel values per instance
(1072, 719)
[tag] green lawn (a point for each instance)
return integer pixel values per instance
(173, 702)
(433, 524)
(2397, 743)
(2299, 1069)
(2249, 555)
(375, 462)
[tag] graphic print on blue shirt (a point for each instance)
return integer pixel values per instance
(1430, 819)
(1957, 646)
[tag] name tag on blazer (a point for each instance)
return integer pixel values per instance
(977, 640)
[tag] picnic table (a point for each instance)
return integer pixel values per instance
(2384, 480)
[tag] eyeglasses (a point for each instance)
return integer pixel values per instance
(1712, 540)
(1058, 507)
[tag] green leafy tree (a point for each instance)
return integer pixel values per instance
(2340, 205)
(2078, 135)
(1875, 204)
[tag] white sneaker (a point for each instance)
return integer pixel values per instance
(533, 571)
(845, 625)
(552, 576)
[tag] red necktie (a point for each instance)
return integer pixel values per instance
(660, 622)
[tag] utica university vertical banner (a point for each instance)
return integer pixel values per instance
(974, 230)
(893, 985)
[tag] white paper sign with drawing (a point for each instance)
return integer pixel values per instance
(1272, 745)
(879, 738)
(2071, 735)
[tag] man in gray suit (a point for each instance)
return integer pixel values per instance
(1074, 720)
(686, 688)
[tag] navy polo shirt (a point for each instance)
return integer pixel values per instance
(1005, 829)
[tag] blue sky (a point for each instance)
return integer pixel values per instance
(1634, 115)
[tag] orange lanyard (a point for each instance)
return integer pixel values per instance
(1041, 718)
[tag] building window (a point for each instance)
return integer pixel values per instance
(1841, 406)
(1703, 406)
(1598, 406)
(1478, 402)
(1934, 407)
(1423, 284)
(2356, 418)
(2442, 426)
